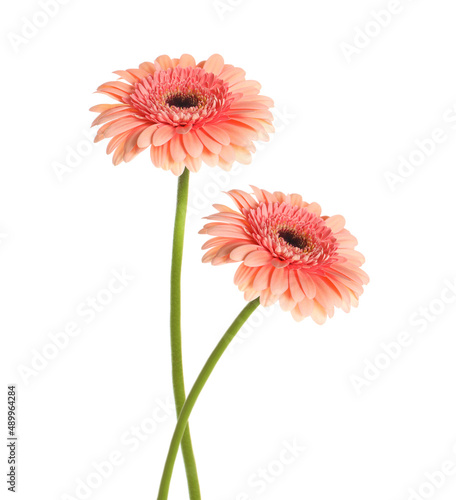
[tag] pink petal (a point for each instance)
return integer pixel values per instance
(177, 149)
(318, 314)
(240, 135)
(122, 86)
(113, 114)
(224, 208)
(280, 263)
(192, 144)
(163, 135)
(353, 274)
(148, 67)
(243, 199)
(241, 252)
(232, 75)
(212, 145)
(214, 64)
(184, 129)
(132, 139)
(101, 108)
(307, 284)
(242, 155)
(226, 231)
(267, 298)
(306, 306)
(209, 158)
(279, 281)
(287, 302)
(336, 223)
(295, 288)
(258, 258)
(159, 154)
(163, 62)
(251, 294)
(115, 141)
(127, 76)
(227, 154)
(187, 60)
(193, 164)
(218, 134)
(263, 278)
(122, 125)
(145, 138)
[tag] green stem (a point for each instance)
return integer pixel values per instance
(176, 335)
(179, 432)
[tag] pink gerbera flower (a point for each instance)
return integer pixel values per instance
(288, 252)
(186, 113)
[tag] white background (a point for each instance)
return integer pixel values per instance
(342, 123)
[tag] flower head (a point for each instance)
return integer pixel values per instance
(288, 253)
(186, 113)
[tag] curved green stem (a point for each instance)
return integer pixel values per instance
(179, 432)
(176, 336)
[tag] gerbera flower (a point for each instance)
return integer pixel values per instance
(186, 113)
(288, 253)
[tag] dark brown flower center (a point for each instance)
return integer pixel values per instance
(293, 239)
(180, 100)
